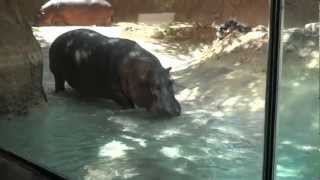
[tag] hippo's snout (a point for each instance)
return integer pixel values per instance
(168, 111)
(175, 111)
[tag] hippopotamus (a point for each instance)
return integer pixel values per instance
(75, 12)
(113, 68)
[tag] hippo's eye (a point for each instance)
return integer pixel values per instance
(144, 84)
(157, 87)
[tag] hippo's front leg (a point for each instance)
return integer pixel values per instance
(123, 101)
(59, 82)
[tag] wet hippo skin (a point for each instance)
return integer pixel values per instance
(112, 68)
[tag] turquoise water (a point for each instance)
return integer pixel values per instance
(87, 140)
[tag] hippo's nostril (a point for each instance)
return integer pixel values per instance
(177, 111)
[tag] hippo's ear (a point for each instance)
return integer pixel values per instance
(168, 70)
(143, 77)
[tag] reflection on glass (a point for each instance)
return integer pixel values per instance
(219, 68)
(298, 138)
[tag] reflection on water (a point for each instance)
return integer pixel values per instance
(298, 143)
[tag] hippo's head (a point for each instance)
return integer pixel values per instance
(151, 87)
(43, 18)
(161, 91)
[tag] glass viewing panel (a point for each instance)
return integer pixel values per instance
(218, 53)
(298, 136)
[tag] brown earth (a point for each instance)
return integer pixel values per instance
(297, 14)
(252, 12)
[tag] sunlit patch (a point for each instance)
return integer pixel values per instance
(287, 172)
(306, 148)
(237, 64)
(200, 121)
(205, 150)
(128, 125)
(110, 173)
(171, 152)
(230, 76)
(180, 170)
(251, 85)
(188, 94)
(175, 153)
(231, 130)
(242, 41)
(219, 114)
(114, 149)
(283, 158)
(314, 63)
(168, 133)
(295, 84)
(286, 142)
(231, 155)
(142, 142)
(197, 112)
(305, 52)
(256, 104)
(231, 101)
(220, 156)
(211, 140)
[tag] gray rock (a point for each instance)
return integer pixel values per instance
(20, 57)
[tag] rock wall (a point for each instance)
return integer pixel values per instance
(297, 13)
(252, 12)
(20, 57)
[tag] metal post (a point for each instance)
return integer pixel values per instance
(272, 91)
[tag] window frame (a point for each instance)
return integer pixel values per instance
(271, 98)
(41, 170)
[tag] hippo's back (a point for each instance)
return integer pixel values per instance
(85, 57)
(74, 46)
(56, 3)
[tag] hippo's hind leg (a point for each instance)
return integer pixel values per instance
(59, 82)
